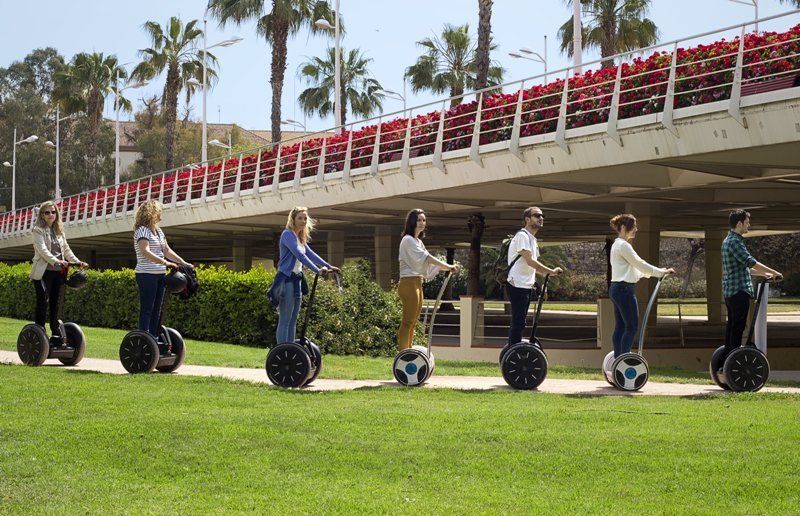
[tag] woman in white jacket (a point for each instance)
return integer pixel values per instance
(51, 255)
(626, 269)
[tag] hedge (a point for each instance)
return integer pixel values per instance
(230, 307)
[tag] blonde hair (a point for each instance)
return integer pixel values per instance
(147, 214)
(305, 235)
(58, 227)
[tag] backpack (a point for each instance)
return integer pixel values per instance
(501, 265)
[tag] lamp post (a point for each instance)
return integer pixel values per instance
(577, 44)
(337, 72)
(13, 165)
(754, 3)
(117, 91)
(203, 86)
(537, 57)
(295, 123)
(395, 95)
(217, 143)
(57, 147)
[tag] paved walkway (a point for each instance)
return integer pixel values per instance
(483, 383)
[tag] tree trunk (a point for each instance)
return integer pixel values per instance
(456, 92)
(608, 46)
(476, 225)
(448, 292)
(484, 40)
(94, 107)
(170, 114)
(280, 36)
(342, 96)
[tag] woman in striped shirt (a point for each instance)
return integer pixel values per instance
(152, 252)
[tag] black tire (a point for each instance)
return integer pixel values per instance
(508, 346)
(412, 367)
(138, 352)
(716, 364)
(316, 361)
(746, 369)
(288, 365)
(630, 372)
(607, 361)
(178, 347)
(33, 346)
(524, 366)
(76, 340)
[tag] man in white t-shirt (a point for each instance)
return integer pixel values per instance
(523, 260)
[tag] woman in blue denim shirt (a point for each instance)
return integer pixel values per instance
(289, 281)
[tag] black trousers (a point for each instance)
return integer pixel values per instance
(520, 299)
(738, 306)
(49, 293)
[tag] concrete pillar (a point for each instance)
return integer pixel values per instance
(385, 256)
(336, 248)
(242, 255)
(713, 257)
(471, 321)
(646, 245)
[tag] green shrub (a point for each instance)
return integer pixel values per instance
(230, 307)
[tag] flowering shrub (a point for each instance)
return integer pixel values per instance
(703, 74)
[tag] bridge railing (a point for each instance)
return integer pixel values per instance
(669, 78)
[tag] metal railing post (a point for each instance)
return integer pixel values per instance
(86, 209)
(238, 186)
(161, 189)
(125, 202)
(561, 127)
(105, 206)
(276, 174)
(613, 113)
(734, 104)
(669, 98)
(221, 184)
(516, 127)
(175, 186)
(257, 175)
(298, 167)
(94, 206)
(348, 155)
(475, 151)
(321, 165)
(407, 151)
(203, 194)
(437, 149)
(376, 149)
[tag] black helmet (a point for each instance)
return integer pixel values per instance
(77, 279)
(176, 282)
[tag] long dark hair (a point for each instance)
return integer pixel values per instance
(411, 223)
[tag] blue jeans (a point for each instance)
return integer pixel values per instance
(626, 314)
(288, 309)
(151, 297)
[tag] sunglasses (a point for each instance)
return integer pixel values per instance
(538, 215)
(49, 212)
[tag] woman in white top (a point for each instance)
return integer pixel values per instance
(152, 251)
(51, 255)
(626, 269)
(416, 263)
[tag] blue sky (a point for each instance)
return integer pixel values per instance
(386, 31)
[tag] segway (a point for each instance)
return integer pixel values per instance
(298, 363)
(140, 352)
(413, 366)
(33, 345)
(524, 364)
(746, 368)
(629, 371)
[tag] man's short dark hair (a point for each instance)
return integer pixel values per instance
(736, 217)
(528, 213)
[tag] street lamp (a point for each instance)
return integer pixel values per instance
(337, 72)
(394, 95)
(217, 143)
(57, 147)
(537, 57)
(206, 48)
(13, 165)
(577, 44)
(117, 98)
(295, 123)
(754, 3)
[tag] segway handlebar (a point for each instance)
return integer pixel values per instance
(650, 302)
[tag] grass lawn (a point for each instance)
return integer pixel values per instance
(155, 444)
(104, 343)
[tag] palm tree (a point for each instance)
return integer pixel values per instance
(276, 20)
(484, 42)
(174, 49)
(82, 86)
(450, 64)
(615, 26)
(795, 3)
(359, 88)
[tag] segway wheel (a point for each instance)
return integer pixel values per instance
(524, 366)
(509, 346)
(630, 372)
(716, 364)
(288, 365)
(33, 346)
(412, 366)
(178, 348)
(316, 362)
(77, 341)
(746, 369)
(138, 352)
(607, 361)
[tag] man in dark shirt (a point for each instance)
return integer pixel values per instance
(737, 287)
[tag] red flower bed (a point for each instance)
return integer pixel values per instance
(703, 75)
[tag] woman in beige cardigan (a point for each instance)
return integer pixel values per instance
(51, 255)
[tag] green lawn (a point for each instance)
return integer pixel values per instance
(156, 444)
